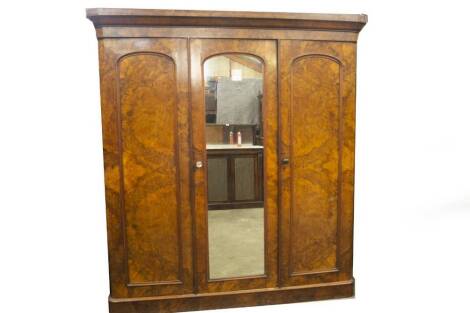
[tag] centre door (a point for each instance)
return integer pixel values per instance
(235, 154)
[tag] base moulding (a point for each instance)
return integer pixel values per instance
(209, 301)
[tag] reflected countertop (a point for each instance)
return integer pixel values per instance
(231, 147)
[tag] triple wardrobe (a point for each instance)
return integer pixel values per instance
(229, 156)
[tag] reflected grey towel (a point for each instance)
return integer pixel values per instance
(237, 101)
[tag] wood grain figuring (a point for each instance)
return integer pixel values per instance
(150, 166)
(317, 122)
(130, 93)
(314, 163)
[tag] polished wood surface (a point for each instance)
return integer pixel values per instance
(144, 97)
(223, 32)
(314, 164)
(153, 116)
(218, 300)
(317, 136)
(150, 166)
(145, 17)
(200, 50)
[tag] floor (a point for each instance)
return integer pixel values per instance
(236, 242)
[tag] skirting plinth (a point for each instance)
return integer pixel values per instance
(208, 301)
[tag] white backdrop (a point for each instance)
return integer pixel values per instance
(412, 215)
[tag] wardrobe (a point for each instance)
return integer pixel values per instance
(228, 143)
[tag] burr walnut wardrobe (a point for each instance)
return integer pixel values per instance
(229, 156)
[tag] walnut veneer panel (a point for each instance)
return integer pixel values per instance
(150, 166)
(314, 163)
(317, 135)
(144, 98)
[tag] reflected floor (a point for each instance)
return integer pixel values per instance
(236, 240)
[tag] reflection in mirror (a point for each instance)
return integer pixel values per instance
(234, 143)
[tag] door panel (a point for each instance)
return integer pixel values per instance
(150, 167)
(317, 142)
(314, 164)
(245, 175)
(217, 179)
(148, 163)
(264, 50)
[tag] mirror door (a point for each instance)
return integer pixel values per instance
(233, 93)
(234, 135)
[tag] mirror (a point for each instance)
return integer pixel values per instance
(234, 145)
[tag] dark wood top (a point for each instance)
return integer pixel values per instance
(149, 17)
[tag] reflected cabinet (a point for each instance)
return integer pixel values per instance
(229, 156)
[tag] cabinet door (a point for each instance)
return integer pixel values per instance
(317, 155)
(144, 90)
(236, 247)
(235, 178)
(218, 179)
(247, 178)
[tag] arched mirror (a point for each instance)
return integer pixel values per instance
(234, 144)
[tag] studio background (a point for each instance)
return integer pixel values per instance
(412, 203)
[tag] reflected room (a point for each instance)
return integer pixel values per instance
(234, 144)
